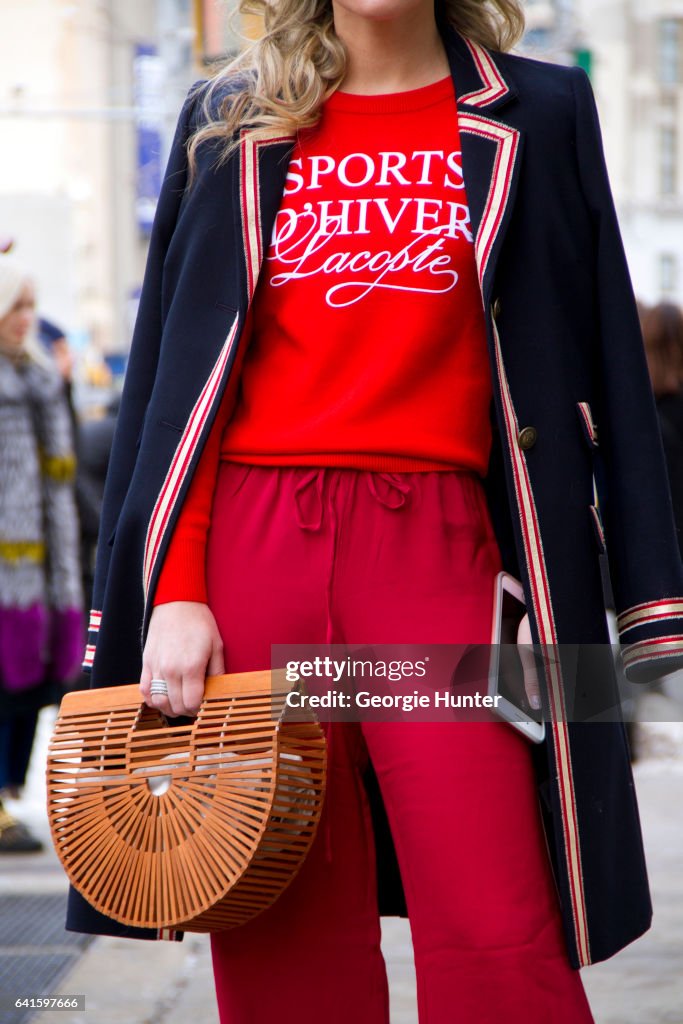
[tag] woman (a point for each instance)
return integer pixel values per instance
(308, 451)
(41, 614)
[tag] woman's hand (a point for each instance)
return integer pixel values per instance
(526, 654)
(183, 646)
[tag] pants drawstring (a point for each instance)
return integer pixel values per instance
(317, 477)
(309, 498)
(310, 491)
(314, 477)
(309, 513)
(402, 486)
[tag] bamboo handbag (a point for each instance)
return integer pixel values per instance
(196, 827)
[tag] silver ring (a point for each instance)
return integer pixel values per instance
(159, 686)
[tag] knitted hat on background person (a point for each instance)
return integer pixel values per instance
(13, 276)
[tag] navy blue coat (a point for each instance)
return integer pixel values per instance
(571, 390)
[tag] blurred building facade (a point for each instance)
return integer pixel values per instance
(89, 96)
(638, 77)
(89, 101)
(65, 117)
(551, 30)
(634, 54)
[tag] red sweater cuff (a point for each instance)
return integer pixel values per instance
(183, 578)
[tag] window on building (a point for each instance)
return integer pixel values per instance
(668, 274)
(670, 50)
(215, 26)
(540, 14)
(668, 144)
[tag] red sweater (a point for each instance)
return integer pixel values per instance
(367, 344)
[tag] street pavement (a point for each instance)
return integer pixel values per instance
(170, 983)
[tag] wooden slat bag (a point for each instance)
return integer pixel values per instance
(197, 827)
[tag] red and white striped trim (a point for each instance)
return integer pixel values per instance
(585, 410)
(507, 145)
(597, 519)
(250, 198)
(652, 650)
(648, 612)
(494, 85)
(168, 934)
(187, 445)
(94, 623)
(533, 546)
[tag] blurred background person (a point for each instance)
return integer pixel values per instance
(92, 441)
(54, 339)
(662, 327)
(41, 601)
(663, 333)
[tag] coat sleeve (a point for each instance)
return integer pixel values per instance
(143, 357)
(183, 571)
(642, 547)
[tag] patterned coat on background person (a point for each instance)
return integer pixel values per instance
(41, 602)
(570, 388)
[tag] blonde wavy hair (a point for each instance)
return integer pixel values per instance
(285, 75)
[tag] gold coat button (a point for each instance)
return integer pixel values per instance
(527, 438)
(495, 309)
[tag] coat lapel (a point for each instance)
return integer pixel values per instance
(264, 157)
(491, 148)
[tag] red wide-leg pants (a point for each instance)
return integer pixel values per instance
(337, 555)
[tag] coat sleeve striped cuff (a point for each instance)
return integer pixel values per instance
(651, 638)
(93, 630)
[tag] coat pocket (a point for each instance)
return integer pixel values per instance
(226, 308)
(588, 426)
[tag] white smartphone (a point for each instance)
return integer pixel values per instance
(506, 674)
